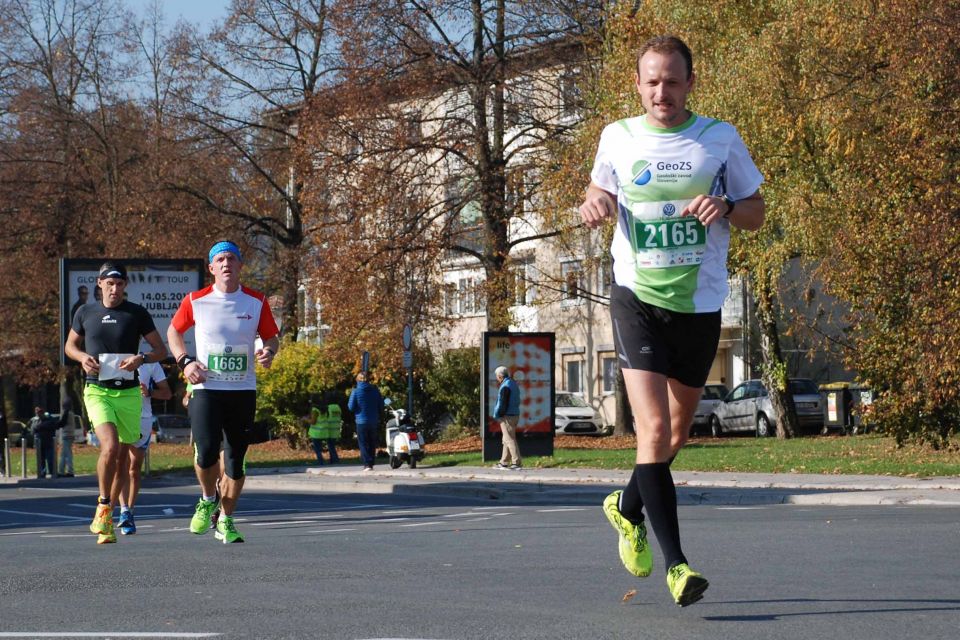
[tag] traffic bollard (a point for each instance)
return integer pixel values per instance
(23, 457)
(6, 457)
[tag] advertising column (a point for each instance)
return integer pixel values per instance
(530, 359)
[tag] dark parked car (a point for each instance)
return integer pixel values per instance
(748, 408)
(172, 427)
(713, 394)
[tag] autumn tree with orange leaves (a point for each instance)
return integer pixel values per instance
(430, 149)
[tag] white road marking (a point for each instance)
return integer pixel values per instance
(274, 523)
(104, 634)
(67, 535)
(330, 530)
(22, 533)
(563, 509)
(739, 508)
(478, 519)
(421, 524)
(41, 515)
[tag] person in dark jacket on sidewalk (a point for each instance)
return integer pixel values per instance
(366, 403)
(507, 412)
(44, 427)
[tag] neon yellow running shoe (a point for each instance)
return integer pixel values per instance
(102, 519)
(227, 531)
(686, 585)
(108, 536)
(634, 550)
(201, 516)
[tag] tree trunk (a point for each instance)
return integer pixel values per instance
(623, 421)
(774, 368)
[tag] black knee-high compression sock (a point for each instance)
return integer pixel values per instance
(631, 502)
(660, 498)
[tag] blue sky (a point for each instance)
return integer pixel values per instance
(202, 13)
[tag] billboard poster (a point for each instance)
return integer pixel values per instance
(530, 359)
(157, 285)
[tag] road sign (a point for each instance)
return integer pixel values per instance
(365, 366)
(407, 337)
(408, 359)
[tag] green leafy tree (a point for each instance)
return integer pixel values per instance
(454, 383)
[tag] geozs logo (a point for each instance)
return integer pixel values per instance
(669, 209)
(674, 166)
(641, 172)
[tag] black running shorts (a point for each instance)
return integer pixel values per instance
(649, 338)
(216, 414)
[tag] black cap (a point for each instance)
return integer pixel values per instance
(112, 270)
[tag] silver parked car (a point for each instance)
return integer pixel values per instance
(748, 408)
(713, 394)
(574, 416)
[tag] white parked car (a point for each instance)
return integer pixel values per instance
(574, 416)
(748, 408)
(713, 394)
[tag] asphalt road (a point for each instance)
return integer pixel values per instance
(380, 566)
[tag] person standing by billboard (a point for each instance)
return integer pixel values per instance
(104, 339)
(507, 413)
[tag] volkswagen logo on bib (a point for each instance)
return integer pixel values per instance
(228, 349)
(669, 209)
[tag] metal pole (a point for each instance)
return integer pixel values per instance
(410, 393)
(23, 455)
(6, 457)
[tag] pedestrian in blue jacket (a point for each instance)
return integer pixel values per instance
(507, 411)
(366, 403)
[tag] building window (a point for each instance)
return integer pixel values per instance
(608, 372)
(573, 376)
(571, 281)
(605, 276)
(464, 297)
(571, 96)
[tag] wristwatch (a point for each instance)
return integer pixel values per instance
(730, 202)
(143, 357)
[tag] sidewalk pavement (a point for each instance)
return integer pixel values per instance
(590, 486)
(584, 486)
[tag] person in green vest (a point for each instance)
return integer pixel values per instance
(325, 428)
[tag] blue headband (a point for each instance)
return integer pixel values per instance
(220, 247)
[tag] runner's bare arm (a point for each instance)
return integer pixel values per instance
(193, 372)
(747, 214)
(266, 355)
(597, 206)
(74, 352)
(158, 353)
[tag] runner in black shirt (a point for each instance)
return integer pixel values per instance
(104, 339)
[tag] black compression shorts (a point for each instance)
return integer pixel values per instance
(678, 345)
(215, 414)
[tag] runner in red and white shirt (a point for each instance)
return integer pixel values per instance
(227, 318)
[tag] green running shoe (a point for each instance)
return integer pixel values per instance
(686, 585)
(227, 531)
(201, 516)
(634, 550)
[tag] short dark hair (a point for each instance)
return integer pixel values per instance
(667, 44)
(112, 270)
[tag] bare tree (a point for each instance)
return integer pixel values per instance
(256, 70)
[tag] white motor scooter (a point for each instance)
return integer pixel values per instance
(404, 443)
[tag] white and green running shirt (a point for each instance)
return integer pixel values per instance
(667, 260)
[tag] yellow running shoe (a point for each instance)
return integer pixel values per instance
(634, 550)
(108, 536)
(686, 585)
(102, 519)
